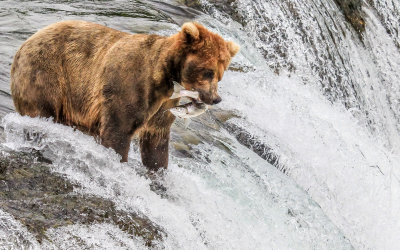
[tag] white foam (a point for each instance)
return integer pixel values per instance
(13, 235)
(235, 201)
(345, 169)
(96, 236)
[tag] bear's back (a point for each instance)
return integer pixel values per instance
(55, 72)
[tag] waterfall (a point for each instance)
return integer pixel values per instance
(312, 40)
(314, 91)
(330, 109)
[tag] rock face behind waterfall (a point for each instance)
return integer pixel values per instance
(351, 9)
(353, 13)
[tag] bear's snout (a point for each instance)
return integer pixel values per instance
(208, 98)
(217, 100)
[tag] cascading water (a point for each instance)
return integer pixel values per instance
(313, 41)
(338, 135)
(323, 97)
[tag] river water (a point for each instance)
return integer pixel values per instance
(323, 98)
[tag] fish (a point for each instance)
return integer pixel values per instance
(180, 91)
(189, 110)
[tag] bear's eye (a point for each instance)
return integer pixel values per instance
(209, 74)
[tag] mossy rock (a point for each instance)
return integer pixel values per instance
(41, 199)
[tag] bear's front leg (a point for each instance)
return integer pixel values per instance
(117, 129)
(118, 141)
(154, 139)
(154, 149)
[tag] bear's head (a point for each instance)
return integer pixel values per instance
(205, 57)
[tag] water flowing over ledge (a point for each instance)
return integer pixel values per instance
(208, 201)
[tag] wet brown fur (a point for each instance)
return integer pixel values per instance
(112, 84)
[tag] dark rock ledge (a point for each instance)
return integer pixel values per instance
(350, 8)
(254, 144)
(353, 13)
(248, 140)
(41, 199)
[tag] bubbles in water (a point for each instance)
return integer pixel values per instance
(234, 202)
(342, 165)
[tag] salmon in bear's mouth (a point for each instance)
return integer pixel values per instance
(192, 108)
(180, 91)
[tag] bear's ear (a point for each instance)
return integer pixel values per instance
(191, 32)
(233, 48)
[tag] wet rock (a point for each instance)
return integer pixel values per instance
(253, 143)
(353, 13)
(245, 138)
(196, 4)
(228, 7)
(237, 67)
(41, 199)
(224, 115)
(200, 130)
(216, 119)
(350, 8)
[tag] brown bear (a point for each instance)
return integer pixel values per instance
(113, 84)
